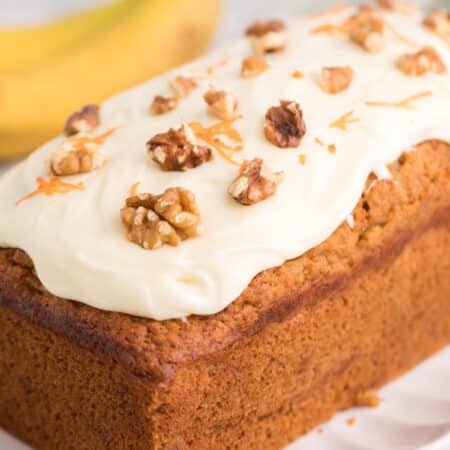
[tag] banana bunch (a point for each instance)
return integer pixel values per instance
(47, 72)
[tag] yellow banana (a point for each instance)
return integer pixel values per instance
(152, 36)
(23, 48)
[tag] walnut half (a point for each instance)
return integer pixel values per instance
(154, 220)
(86, 119)
(255, 183)
(424, 61)
(267, 37)
(178, 150)
(284, 125)
(335, 79)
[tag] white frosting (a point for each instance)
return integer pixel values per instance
(79, 246)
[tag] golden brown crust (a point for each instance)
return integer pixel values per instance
(261, 392)
(302, 341)
(387, 218)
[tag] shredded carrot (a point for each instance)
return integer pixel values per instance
(209, 70)
(399, 36)
(52, 186)
(328, 28)
(338, 8)
(332, 149)
(318, 141)
(80, 142)
(403, 104)
(343, 121)
(211, 135)
(302, 159)
(297, 74)
(134, 188)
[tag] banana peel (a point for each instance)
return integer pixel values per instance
(135, 40)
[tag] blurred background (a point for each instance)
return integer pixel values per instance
(56, 55)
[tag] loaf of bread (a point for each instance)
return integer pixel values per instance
(140, 363)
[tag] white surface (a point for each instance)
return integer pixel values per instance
(414, 415)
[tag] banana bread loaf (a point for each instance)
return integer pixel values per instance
(321, 270)
(301, 342)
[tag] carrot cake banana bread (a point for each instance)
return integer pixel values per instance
(224, 257)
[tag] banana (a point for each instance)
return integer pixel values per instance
(150, 37)
(23, 48)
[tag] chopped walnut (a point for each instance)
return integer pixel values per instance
(154, 220)
(163, 105)
(86, 119)
(284, 125)
(183, 86)
(221, 104)
(366, 29)
(71, 160)
(255, 183)
(178, 150)
(335, 79)
(267, 37)
(253, 66)
(438, 21)
(417, 64)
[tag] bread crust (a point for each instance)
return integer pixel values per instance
(409, 213)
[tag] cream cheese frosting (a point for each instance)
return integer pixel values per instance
(79, 246)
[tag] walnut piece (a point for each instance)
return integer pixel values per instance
(163, 105)
(86, 119)
(71, 160)
(335, 79)
(178, 150)
(267, 37)
(253, 66)
(182, 86)
(422, 62)
(366, 29)
(438, 21)
(284, 125)
(221, 104)
(255, 183)
(154, 220)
